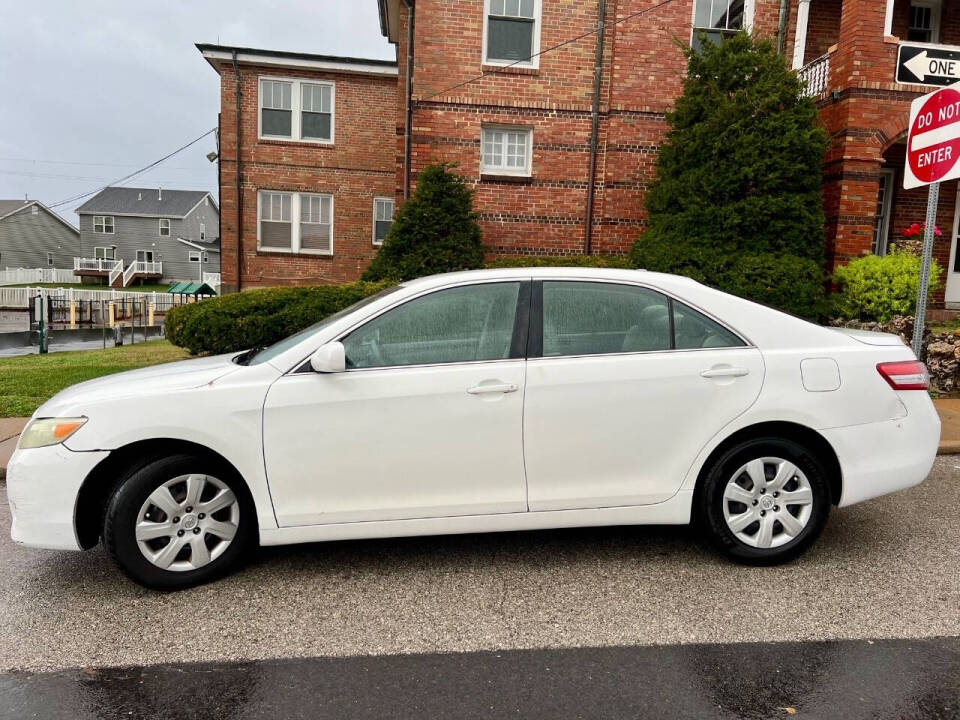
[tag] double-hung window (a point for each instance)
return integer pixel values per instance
(382, 219)
(193, 256)
(49, 258)
(512, 32)
(164, 227)
(507, 151)
(296, 110)
(103, 224)
(105, 253)
(295, 222)
(716, 20)
(924, 21)
(203, 231)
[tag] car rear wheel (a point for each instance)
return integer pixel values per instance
(765, 501)
(178, 521)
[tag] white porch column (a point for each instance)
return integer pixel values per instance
(888, 19)
(800, 36)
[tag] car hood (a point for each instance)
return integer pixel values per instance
(154, 380)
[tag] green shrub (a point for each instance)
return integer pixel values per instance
(602, 261)
(877, 288)
(258, 317)
(787, 282)
(435, 231)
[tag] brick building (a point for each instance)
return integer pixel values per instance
(560, 146)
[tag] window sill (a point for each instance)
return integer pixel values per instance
(513, 179)
(308, 143)
(302, 253)
(509, 69)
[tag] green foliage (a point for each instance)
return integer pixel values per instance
(877, 288)
(602, 261)
(737, 189)
(258, 317)
(435, 231)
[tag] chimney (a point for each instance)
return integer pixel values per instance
(159, 193)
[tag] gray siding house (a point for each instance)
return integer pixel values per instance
(33, 236)
(148, 234)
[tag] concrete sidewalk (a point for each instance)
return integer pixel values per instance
(949, 409)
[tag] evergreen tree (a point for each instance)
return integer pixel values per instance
(740, 170)
(435, 231)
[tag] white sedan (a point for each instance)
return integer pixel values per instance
(482, 401)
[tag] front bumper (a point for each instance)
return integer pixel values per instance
(883, 457)
(42, 488)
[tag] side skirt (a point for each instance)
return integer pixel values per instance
(675, 511)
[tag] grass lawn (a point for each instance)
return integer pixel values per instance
(80, 286)
(947, 326)
(27, 381)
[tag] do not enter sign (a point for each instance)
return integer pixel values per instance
(933, 146)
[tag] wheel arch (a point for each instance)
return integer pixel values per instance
(101, 482)
(801, 434)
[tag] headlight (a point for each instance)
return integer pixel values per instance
(49, 431)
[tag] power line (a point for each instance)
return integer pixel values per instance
(133, 174)
(87, 164)
(549, 49)
(57, 176)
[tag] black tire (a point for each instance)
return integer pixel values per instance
(123, 511)
(709, 508)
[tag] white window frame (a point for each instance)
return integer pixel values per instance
(49, 258)
(748, 11)
(376, 200)
(34, 210)
(146, 253)
(881, 233)
(203, 231)
(160, 227)
(295, 248)
(103, 224)
(534, 62)
(296, 101)
(497, 170)
(936, 7)
(106, 249)
(194, 256)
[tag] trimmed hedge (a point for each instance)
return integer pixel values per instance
(258, 317)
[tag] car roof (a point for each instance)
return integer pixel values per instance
(655, 278)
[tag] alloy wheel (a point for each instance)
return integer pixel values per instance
(767, 502)
(187, 522)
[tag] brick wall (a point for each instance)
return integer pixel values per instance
(357, 167)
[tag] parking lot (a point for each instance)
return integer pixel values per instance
(883, 569)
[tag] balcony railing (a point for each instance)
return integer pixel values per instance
(815, 76)
(140, 267)
(94, 264)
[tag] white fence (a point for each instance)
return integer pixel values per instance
(20, 297)
(213, 280)
(19, 276)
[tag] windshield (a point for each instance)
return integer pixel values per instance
(271, 352)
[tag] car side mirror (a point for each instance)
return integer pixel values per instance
(331, 358)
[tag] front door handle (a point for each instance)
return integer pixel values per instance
(720, 372)
(495, 388)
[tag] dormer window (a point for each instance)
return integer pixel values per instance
(511, 32)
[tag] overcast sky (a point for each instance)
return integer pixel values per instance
(96, 89)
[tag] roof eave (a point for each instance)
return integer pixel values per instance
(306, 61)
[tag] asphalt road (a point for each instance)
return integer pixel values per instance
(889, 568)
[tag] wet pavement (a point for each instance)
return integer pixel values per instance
(554, 623)
(849, 679)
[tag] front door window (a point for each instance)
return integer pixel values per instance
(463, 324)
(881, 226)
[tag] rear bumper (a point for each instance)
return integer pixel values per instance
(880, 458)
(42, 488)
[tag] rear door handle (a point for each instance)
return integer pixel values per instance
(725, 372)
(497, 388)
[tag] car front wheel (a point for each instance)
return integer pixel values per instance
(178, 521)
(765, 501)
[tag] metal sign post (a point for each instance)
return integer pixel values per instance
(933, 196)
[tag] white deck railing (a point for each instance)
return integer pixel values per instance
(115, 272)
(816, 75)
(20, 276)
(141, 267)
(94, 264)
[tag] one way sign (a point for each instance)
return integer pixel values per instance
(927, 65)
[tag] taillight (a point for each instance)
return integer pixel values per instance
(906, 375)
